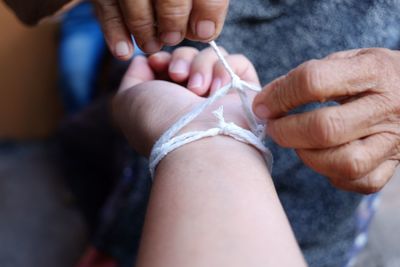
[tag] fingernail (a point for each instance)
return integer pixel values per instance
(196, 81)
(205, 29)
(216, 84)
(179, 66)
(171, 38)
(262, 112)
(122, 49)
(152, 46)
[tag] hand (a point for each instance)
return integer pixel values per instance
(355, 144)
(145, 108)
(158, 23)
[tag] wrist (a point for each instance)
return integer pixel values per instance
(174, 138)
(208, 152)
(232, 113)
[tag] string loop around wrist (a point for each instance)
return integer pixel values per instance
(168, 142)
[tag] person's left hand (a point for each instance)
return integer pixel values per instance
(144, 107)
(355, 144)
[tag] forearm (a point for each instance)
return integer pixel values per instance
(213, 203)
(31, 12)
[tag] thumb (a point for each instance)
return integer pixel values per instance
(343, 74)
(138, 72)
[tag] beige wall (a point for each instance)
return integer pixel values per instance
(29, 104)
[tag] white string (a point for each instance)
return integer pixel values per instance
(168, 142)
(237, 84)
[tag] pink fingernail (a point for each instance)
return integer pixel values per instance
(196, 81)
(179, 66)
(205, 29)
(262, 112)
(152, 46)
(122, 49)
(171, 38)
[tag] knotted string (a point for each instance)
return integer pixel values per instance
(169, 141)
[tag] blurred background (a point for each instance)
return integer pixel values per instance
(44, 83)
(39, 225)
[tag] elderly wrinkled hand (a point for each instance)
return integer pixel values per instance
(158, 23)
(357, 143)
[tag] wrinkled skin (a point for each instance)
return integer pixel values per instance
(355, 144)
(158, 23)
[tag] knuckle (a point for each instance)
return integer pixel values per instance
(282, 97)
(111, 24)
(327, 127)
(140, 26)
(377, 57)
(379, 52)
(365, 186)
(106, 11)
(355, 165)
(214, 10)
(380, 60)
(369, 188)
(168, 10)
(396, 143)
(104, 7)
(311, 79)
(373, 187)
(214, 6)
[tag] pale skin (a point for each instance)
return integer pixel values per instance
(213, 202)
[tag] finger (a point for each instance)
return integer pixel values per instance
(160, 61)
(181, 61)
(201, 71)
(373, 182)
(207, 19)
(318, 81)
(139, 18)
(332, 126)
(115, 32)
(240, 64)
(354, 160)
(344, 54)
(172, 20)
(139, 71)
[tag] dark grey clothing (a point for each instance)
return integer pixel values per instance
(279, 35)
(276, 36)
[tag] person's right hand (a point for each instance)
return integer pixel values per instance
(157, 23)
